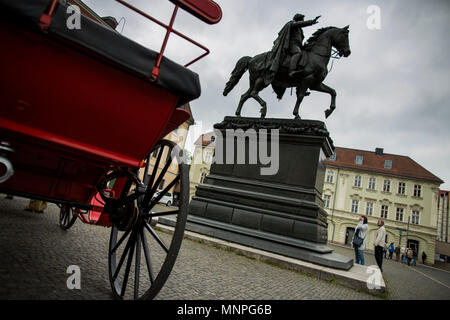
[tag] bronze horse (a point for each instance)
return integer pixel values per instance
(317, 51)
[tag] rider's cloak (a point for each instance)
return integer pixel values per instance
(278, 53)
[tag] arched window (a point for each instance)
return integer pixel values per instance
(202, 177)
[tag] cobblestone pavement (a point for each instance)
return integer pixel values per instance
(35, 254)
(407, 282)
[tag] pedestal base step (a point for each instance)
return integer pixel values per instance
(298, 249)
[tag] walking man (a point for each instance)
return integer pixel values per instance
(379, 243)
(397, 253)
(391, 250)
(409, 256)
(403, 251)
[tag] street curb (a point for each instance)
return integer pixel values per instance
(356, 278)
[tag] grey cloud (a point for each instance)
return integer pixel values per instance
(392, 91)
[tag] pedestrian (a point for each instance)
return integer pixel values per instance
(414, 257)
(384, 251)
(379, 243)
(424, 257)
(403, 251)
(359, 240)
(409, 256)
(397, 253)
(391, 250)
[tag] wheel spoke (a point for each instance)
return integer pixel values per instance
(155, 168)
(122, 258)
(127, 268)
(147, 258)
(157, 238)
(137, 266)
(121, 240)
(160, 176)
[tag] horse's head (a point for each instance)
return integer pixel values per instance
(340, 41)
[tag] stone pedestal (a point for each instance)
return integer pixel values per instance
(282, 212)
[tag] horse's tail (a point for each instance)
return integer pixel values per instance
(236, 75)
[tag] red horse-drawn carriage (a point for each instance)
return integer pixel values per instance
(82, 111)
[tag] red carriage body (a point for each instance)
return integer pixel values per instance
(77, 102)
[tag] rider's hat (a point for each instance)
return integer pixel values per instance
(299, 17)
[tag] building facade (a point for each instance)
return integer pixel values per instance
(443, 228)
(392, 187)
(201, 160)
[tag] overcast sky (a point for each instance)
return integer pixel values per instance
(392, 90)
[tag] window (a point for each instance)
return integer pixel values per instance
(333, 156)
(359, 160)
(369, 208)
(330, 176)
(357, 181)
(417, 190)
(207, 157)
(387, 186)
(326, 200)
(399, 214)
(355, 204)
(213, 138)
(155, 153)
(384, 211)
(388, 164)
(372, 182)
(401, 187)
(415, 217)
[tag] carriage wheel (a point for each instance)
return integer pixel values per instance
(66, 217)
(141, 257)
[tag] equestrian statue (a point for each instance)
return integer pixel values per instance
(292, 64)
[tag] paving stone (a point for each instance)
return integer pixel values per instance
(36, 253)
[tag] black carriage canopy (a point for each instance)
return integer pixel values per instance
(108, 43)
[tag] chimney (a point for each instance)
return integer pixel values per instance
(379, 151)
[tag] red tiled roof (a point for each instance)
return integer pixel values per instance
(205, 140)
(401, 165)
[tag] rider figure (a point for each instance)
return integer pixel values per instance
(296, 37)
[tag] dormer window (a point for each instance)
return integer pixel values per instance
(359, 160)
(213, 138)
(388, 164)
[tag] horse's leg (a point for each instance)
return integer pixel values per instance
(301, 93)
(324, 88)
(258, 86)
(244, 98)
